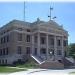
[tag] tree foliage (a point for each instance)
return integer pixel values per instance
(71, 49)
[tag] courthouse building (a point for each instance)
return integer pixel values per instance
(40, 40)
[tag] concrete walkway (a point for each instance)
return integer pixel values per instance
(44, 72)
(4, 73)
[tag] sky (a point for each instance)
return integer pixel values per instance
(64, 11)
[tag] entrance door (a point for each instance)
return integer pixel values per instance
(35, 51)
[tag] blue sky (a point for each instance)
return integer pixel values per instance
(64, 11)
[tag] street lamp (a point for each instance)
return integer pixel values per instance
(52, 53)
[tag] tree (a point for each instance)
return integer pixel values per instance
(71, 49)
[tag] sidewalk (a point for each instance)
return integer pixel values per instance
(41, 72)
(44, 72)
(4, 73)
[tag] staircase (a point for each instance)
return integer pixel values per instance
(47, 63)
(67, 62)
(52, 64)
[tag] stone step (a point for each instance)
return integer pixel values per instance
(51, 64)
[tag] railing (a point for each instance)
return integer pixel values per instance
(38, 59)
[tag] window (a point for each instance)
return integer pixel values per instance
(7, 37)
(27, 50)
(0, 51)
(35, 39)
(28, 38)
(20, 29)
(65, 42)
(1, 40)
(59, 52)
(3, 51)
(42, 40)
(19, 37)
(2, 61)
(19, 50)
(4, 39)
(7, 30)
(28, 30)
(7, 51)
(19, 60)
(43, 51)
(6, 61)
(52, 41)
(58, 42)
(35, 52)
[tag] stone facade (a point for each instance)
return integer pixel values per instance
(46, 40)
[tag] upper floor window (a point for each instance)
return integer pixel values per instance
(65, 42)
(28, 38)
(19, 36)
(19, 49)
(58, 42)
(7, 37)
(4, 39)
(35, 39)
(43, 40)
(1, 40)
(52, 41)
(28, 30)
(20, 29)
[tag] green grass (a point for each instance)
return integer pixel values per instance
(4, 69)
(29, 64)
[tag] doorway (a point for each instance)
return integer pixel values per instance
(35, 51)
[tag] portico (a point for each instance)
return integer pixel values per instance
(47, 47)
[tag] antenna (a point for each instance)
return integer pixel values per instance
(50, 16)
(50, 13)
(24, 11)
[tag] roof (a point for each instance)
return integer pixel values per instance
(50, 23)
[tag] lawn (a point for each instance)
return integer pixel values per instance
(29, 64)
(19, 67)
(5, 69)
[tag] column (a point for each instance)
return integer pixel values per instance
(62, 47)
(47, 46)
(32, 44)
(38, 49)
(55, 48)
